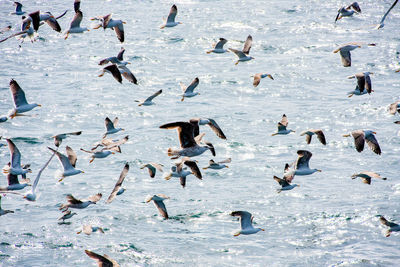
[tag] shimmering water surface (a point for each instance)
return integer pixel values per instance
(329, 220)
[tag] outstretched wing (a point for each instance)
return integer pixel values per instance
(17, 94)
(185, 132)
(247, 45)
(119, 183)
(172, 14)
(245, 218)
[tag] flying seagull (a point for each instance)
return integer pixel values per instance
(364, 84)
(15, 159)
(59, 137)
(362, 136)
(188, 90)
(393, 227)
(153, 167)
(102, 261)
(20, 103)
(246, 223)
(149, 101)
(116, 25)
(318, 132)
(366, 176)
(219, 47)
(284, 183)
(348, 11)
(110, 126)
(80, 204)
(158, 202)
(244, 54)
(170, 22)
(282, 126)
(259, 76)
(68, 163)
(118, 185)
(381, 23)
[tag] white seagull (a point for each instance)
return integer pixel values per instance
(219, 47)
(68, 163)
(282, 127)
(381, 23)
(246, 223)
(244, 54)
(188, 90)
(170, 22)
(149, 101)
(20, 103)
(15, 159)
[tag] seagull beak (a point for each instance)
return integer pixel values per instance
(319, 170)
(101, 75)
(29, 171)
(346, 135)
(39, 105)
(82, 171)
(237, 234)
(128, 63)
(374, 132)
(262, 229)
(113, 153)
(227, 166)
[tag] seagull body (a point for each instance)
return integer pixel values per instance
(393, 227)
(4, 212)
(219, 47)
(170, 22)
(362, 136)
(110, 126)
(259, 76)
(15, 159)
(301, 165)
(179, 171)
(282, 126)
(18, 9)
(311, 132)
(364, 84)
(68, 163)
(381, 23)
(366, 176)
(153, 167)
(285, 184)
(117, 71)
(75, 25)
(102, 261)
(98, 154)
(116, 25)
(345, 55)
(246, 220)
(244, 54)
(59, 137)
(149, 101)
(88, 229)
(118, 60)
(67, 215)
(118, 185)
(20, 103)
(188, 90)
(158, 202)
(190, 147)
(348, 11)
(80, 204)
(217, 165)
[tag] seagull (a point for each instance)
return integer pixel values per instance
(117, 70)
(394, 107)
(18, 9)
(179, 171)
(363, 82)
(171, 18)
(259, 76)
(116, 25)
(3, 119)
(158, 202)
(4, 212)
(29, 27)
(59, 137)
(110, 126)
(311, 132)
(188, 90)
(246, 220)
(153, 167)
(88, 229)
(219, 47)
(217, 165)
(366, 176)
(50, 20)
(67, 215)
(381, 23)
(190, 147)
(345, 52)
(15, 159)
(103, 153)
(196, 122)
(244, 54)
(301, 166)
(110, 144)
(348, 11)
(68, 163)
(118, 185)
(75, 25)
(102, 261)
(282, 126)
(148, 101)
(118, 60)
(284, 183)
(13, 182)
(80, 204)
(362, 136)
(20, 103)
(393, 227)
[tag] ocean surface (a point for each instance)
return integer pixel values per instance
(330, 220)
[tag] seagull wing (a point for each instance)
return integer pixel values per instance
(153, 96)
(359, 139)
(303, 159)
(387, 223)
(72, 200)
(194, 168)
(101, 260)
(282, 182)
(221, 43)
(161, 208)
(373, 143)
(109, 124)
(172, 14)
(257, 79)
(368, 84)
(245, 218)
(238, 53)
(228, 160)
(387, 12)
(95, 198)
(360, 81)
(76, 21)
(52, 22)
(320, 136)
(247, 45)
(185, 132)
(35, 183)
(127, 74)
(120, 55)
(192, 86)
(63, 159)
(71, 156)
(35, 19)
(345, 57)
(77, 5)
(15, 154)
(119, 31)
(216, 129)
(17, 94)
(119, 183)
(115, 72)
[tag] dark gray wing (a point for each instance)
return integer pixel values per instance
(120, 55)
(282, 182)
(185, 132)
(161, 208)
(247, 45)
(71, 156)
(17, 94)
(172, 14)
(119, 183)
(115, 72)
(194, 168)
(359, 140)
(345, 57)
